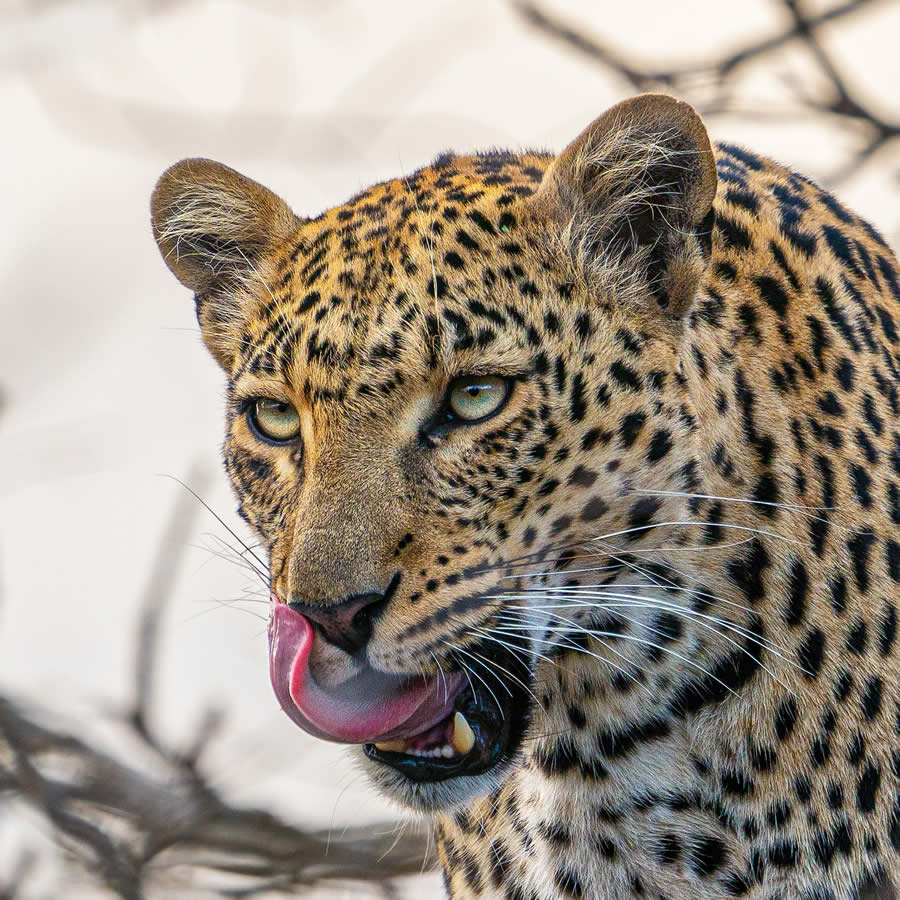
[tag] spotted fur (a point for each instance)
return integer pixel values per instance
(685, 517)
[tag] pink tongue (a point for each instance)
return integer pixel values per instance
(370, 707)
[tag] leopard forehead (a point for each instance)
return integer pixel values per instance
(433, 272)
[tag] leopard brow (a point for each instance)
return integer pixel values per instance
(254, 390)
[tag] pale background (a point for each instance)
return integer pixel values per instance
(104, 378)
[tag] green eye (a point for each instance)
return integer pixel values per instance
(273, 420)
(475, 397)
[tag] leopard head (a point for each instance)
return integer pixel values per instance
(440, 395)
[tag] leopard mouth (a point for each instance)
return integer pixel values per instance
(478, 732)
(458, 723)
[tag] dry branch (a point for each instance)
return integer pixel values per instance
(837, 101)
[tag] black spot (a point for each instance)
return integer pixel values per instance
(747, 571)
(630, 427)
(871, 697)
(826, 295)
(859, 546)
(803, 788)
(781, 259)
(594, 436)
(763, 757)
(733, 235)
(779, 813)
(784, 854)
(577, 405)
(838, 586)
(894, 824)
(867, 788)
(856, 639)
(773, 293)
(640, 516)
(843, 685)
(798, 585)
(660, 445)
(766, 494)
(483, 223)
(625, 376)
(619, 743)
(743, 199)
(840, 247)
(569, 883)
(892, 554)
(811, 652)
(669, 849)
(801, 240)
(845, 374)
(750, 160)
(707, 856)
(726, 271)
(728, 675)
(856, 749)
(583, 326)
(888, 326)
(887, 629)
(594, 509)
(738, 783)
(861, 485)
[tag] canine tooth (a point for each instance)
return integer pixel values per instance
(397, 746)
(463, 738)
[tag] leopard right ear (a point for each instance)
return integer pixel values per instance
(214, 227)
(633, 194)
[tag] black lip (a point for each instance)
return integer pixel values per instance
(498, 716)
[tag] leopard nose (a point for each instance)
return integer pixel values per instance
(346, 624)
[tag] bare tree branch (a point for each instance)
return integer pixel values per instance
(719, 75)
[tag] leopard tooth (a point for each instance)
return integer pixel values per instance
(463, 738)
(397, 746)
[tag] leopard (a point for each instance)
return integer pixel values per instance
(576, 478)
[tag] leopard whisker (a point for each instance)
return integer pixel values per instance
(574, 646)
(696, 524)
(508, 673)
(218, 518)
(237, 558)
(442, 673)
(636, 640)
(490, 691)
(626, 601)
(687, 494)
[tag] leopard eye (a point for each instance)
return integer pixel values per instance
(476, 397)
(273, 421)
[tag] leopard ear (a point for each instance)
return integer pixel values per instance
(213, 227)
(633, 194)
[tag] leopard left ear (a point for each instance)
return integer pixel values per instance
(633, 194)
(214, 228)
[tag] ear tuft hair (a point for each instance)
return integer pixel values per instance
(633, 194)
(213, 226)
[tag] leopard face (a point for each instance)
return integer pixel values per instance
(453, 381)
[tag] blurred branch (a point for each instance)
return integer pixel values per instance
(118, 820)
(674, 78)
(720, 73)
(124, 823)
